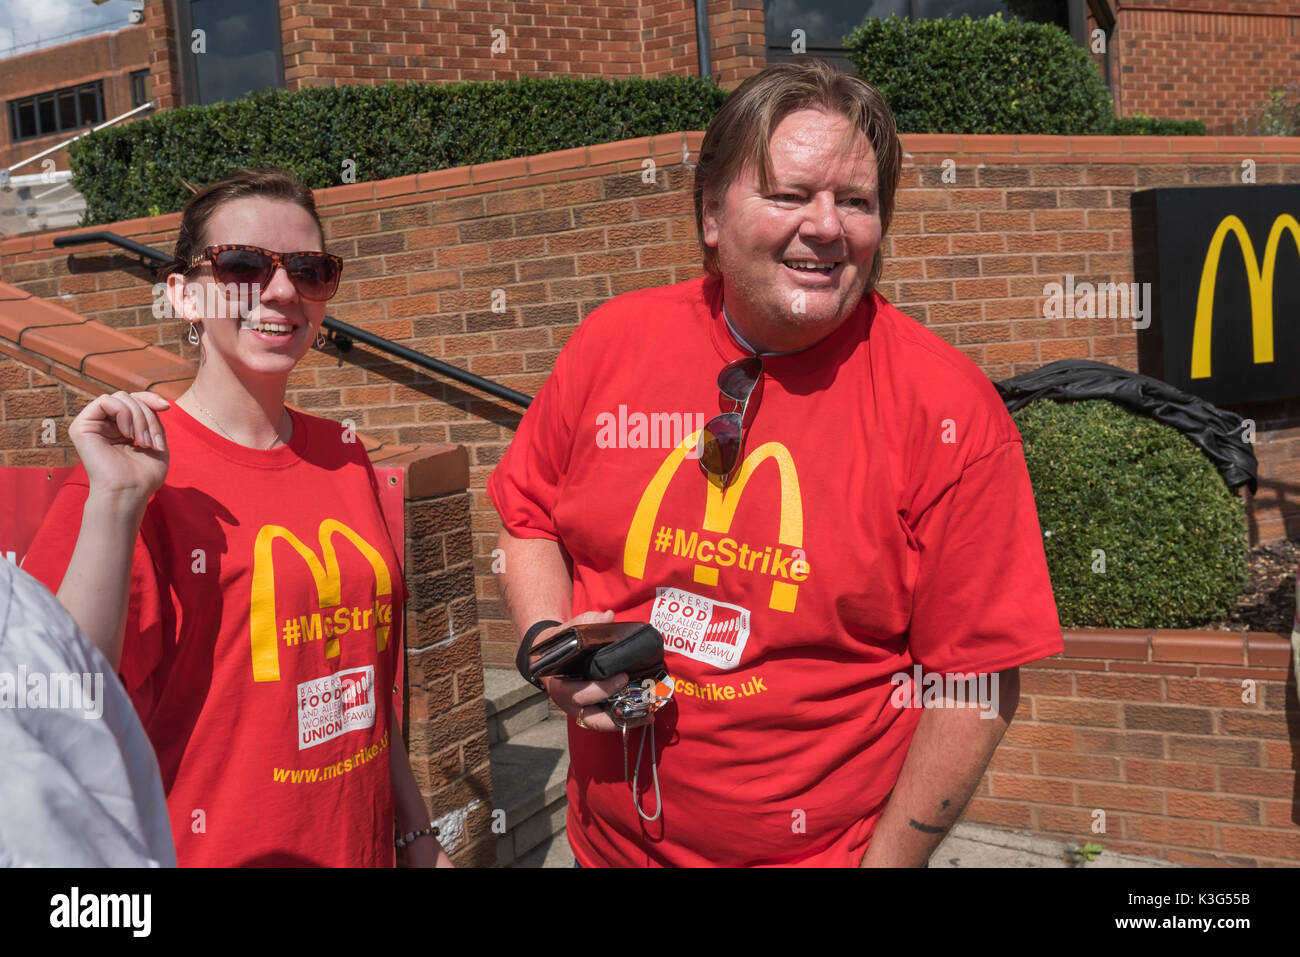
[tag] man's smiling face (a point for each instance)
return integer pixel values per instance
(795, 258)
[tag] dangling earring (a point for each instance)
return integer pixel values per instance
(193, 336)
(321, 340)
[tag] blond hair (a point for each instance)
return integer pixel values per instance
(742, 132)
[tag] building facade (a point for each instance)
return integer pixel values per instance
(51, 95)
(1214, 60)
(1218, 61)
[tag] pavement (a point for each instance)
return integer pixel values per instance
(968, 845)
(978, 845)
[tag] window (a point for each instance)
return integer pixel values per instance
(92, 101)
(45, 114)
(229, 48)
(139, 88)
(68, 110)
(1041, 11)
(59, 111)
(825, 23)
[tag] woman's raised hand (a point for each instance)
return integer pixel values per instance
(122, 445)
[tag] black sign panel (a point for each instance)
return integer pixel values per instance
(1224, 268)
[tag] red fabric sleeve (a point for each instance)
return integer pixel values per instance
(50, 551)
(47, 560)
(525, 485)
(983, 599)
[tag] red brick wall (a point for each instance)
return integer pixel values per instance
(1209, 59)
(1213, 60)
(1153, 731)
(738, 39)
(737, 42)
(110, 57)
(406, 40)
(669, 44)
(29, 398)
(561, 233)
(410, 40)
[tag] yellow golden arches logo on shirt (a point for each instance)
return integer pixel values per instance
(263, 620)
(720, 507)
(1261, 289)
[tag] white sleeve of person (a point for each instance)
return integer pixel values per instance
(1295, 627)
(81, 786)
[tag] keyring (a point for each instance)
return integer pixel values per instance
(636, 700)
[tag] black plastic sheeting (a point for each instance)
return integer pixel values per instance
(1217, 431)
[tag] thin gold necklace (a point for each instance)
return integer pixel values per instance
(227, 434)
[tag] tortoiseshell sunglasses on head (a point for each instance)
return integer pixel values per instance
(314, 274)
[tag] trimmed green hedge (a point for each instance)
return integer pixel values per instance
(1141, 125)
(940, 76)
(137, 169)
(990, 76)
(1110, 480)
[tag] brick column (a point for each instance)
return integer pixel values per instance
(164, 68)
(738, 33)
(446, 721)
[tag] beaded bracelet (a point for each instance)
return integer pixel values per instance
(412, 835)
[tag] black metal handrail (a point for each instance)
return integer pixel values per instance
(342, 332)
(147, 254)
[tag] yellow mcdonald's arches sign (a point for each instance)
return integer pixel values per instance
(262, 616)
(1260, 279)
(719, 512)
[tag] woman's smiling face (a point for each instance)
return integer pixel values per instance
(260, 331)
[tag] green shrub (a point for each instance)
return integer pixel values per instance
(1172, 533)
(1140, 125)
(986, 76)
(1279, 115)
(391, 130)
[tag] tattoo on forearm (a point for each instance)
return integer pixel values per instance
(925, 828)
(930, 828)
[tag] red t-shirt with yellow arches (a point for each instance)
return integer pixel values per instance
(260, 647)
(882, 518)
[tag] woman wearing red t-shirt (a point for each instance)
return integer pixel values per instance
(254, 609)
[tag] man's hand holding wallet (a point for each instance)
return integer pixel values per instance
(585, 661)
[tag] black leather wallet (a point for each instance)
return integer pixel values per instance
(598, 651)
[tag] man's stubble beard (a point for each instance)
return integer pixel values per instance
(785, 315)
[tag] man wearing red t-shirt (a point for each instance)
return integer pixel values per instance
(861, 528)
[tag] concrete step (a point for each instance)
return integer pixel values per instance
(528, 776)
(553, 852)
(513, 705)
(528, 748)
